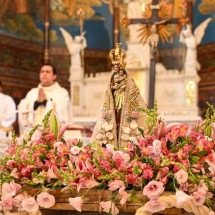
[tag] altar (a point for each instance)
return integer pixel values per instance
(174, 88)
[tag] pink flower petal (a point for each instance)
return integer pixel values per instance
(76, 203)
(10, 189)
(181, 176)
(198, 198)
(153, 189)
(45, 200)
(109, 207)
(155, 205)
(7, 203)
(30, 205)
(17, 201)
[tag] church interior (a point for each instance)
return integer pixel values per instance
(98, 48)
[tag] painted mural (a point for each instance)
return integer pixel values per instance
(202, 10)
(24, 19)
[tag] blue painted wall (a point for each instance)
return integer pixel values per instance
(198, 17)
(99, 34)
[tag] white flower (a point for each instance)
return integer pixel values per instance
(99, 126)
(133, 125)
(133, 140)
(126, 130)
(181, 198)
(109, 135)
(99, 136)
(125, 137)
(110, 147)
(156, 147)
(137, 133)
(108, 127)
(105, 124)
(75, 150)
(57, 144)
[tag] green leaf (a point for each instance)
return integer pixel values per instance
(149, 160)
(46, 119)
(194, 159)
(170, 186)
(193, 179)
(181, 145)
(169, 145)
(54, 126)
(141, 131)
(80, 144)
(138, 151)
(32, 132)
(202, 153)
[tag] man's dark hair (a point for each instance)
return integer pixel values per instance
(0, 83)
(52, 66)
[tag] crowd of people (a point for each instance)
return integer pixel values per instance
(38, 101)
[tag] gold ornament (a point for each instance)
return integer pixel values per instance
(118, 56)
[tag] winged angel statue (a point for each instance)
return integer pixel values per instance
(75, 46)
(191, 41)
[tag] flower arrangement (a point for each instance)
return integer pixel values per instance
(177, 157)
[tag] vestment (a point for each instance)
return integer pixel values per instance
(7, 111)
(108, 129)
(57, 97)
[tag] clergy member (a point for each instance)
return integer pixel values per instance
(7, 111)
(48, 95)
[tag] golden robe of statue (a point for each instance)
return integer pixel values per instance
(120, 118)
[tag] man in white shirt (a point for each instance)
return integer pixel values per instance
(48, 95)
(7, 111)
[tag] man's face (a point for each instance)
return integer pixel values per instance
(47, 77)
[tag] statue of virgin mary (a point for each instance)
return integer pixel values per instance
(120, 119)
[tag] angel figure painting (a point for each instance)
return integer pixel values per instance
(191, 41)
(75, 47)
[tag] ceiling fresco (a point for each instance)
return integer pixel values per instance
(24, 19)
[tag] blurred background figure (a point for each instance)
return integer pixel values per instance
(7, 113)
(191, 41)
(38, 101)
(75, 47)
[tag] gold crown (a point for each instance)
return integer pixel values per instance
(118, 56)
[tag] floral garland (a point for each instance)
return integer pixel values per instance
(170, 200)
(176, 157)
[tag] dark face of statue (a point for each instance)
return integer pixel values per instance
(115, 68)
